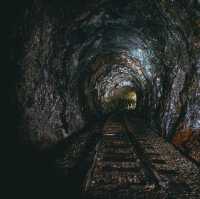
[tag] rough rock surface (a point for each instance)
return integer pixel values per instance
(61, 41)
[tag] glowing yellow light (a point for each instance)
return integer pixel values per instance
(132, 95)
(132, 98)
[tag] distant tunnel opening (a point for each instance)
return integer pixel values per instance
(121, 99)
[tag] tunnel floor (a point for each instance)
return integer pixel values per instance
(124, 162)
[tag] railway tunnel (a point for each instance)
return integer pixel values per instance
(106, 98)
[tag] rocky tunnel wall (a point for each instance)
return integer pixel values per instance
(60, 44)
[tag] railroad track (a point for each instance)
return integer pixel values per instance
(131, 165)
(74, 159)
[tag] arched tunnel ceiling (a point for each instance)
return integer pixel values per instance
(71, 59)
(119, 31)
(113, 75)
(135, 38)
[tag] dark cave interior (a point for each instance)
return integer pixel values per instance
(75, 64)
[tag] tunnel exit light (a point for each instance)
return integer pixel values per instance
(132, 99)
